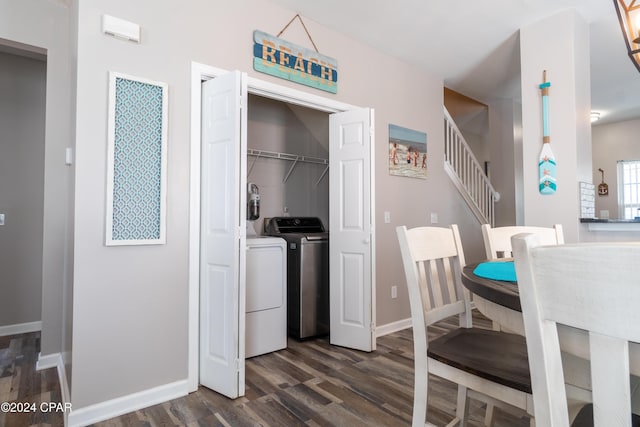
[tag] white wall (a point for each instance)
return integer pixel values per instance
(130, 303)
(22, 113)
(613, 142)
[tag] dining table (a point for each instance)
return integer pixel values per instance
(499, 301)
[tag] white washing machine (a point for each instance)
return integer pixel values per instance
(266, 306)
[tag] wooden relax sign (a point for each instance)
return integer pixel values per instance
(277, 57)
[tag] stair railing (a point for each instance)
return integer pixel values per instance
(467, 174)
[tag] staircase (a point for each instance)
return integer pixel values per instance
(467, 174)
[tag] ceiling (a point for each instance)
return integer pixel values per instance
(473, 45)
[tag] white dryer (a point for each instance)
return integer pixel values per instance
(266, 304)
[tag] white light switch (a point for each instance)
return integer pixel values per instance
(68, 156)
(387, 217)
(434, 218)
(1, 219)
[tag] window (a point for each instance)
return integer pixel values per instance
(629, 188)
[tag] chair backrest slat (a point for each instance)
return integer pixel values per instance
(595, 287)
(432, 258)
(424, 272)
(610, 371)
(450, 280)
(497, 241)
(436, 283)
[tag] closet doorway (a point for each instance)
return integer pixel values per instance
(23, 75)
(219, 173)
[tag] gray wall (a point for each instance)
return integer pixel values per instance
(613, 142)
(22, 112)
(43, 26)
(275, 127)
(134, 299)
(558, 44)
(503, 116)
(130, 313)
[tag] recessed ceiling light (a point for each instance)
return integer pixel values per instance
(595, 116)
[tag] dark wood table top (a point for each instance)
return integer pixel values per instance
(496, 291)
(506, 295)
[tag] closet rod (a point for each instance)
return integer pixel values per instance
(291, 157)
(286, 156)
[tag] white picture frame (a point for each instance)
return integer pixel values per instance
(136, 161)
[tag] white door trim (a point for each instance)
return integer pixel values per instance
(200, 72)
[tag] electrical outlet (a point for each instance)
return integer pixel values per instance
(1, 219)
(434, 218)
(394, 292)
(387, 217)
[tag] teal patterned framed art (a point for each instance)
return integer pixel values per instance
(137, 161)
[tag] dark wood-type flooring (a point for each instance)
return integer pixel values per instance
(311, 383)
(21, 383)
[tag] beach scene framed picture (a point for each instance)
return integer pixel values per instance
(407, 152)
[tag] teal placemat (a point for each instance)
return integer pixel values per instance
(496, 270)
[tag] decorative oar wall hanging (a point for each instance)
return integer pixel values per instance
(546, 161)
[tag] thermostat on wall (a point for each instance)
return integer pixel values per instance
(120, 28)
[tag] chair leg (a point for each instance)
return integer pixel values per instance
(489, 415)
(419, 413)
(420, 399)
(462, 409)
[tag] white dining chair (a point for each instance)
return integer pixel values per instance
(594, 287)
(497, 244)
(487, 365)
(497, 240)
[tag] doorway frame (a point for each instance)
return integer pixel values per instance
(201, 72)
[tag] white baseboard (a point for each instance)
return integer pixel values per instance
(399, 325)
(48, 361)
(56, 360)
(20, 328)
(390, 328)
(125, 404)
(64, 389)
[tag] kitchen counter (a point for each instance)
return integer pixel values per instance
(600, 224)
